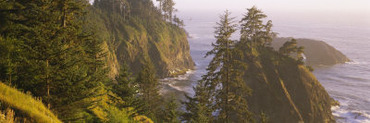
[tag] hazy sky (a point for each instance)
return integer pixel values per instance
(276, 5)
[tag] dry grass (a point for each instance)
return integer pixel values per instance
(33, 108)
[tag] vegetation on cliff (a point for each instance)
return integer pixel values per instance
(282, 87)
(65, 53)
(317, 53)
(142, 34)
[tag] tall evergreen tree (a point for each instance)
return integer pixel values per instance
(125, 86)
(149, 90)
(199, 108)
(224, 81)
(253, 30)
(160, 5)
(53, 63)
(226, 74)
(9, 61)
(119, 7)
(171, 111)
(168, 9)
(254, 35)
(127, 89)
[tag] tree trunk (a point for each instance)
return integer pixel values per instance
(160, 6)
(227, 81)
(10, 73)
(64, 16)
(48, 83)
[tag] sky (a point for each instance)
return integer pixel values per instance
(276, 5)
(351, 6)
(343, 11)
(331, 9)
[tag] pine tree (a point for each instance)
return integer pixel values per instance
(125, 86)
(53, 61)
(199, 108)
(9, 62)
(230, 98)
(149, 90)
(127, 90)
(178, 21)
(160, 5)
(255, 36)
(168, 9)
(254, 31)
(290, 48)
(224, 84)
(170, 111)
(222, 61)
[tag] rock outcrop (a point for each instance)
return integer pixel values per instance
(167, 48)
(318, 53)
(286, 91)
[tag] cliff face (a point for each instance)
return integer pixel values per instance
(133, 40)
(286, 91)
(164, 44)
(317, 52)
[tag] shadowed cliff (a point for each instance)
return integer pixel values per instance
(286, 91)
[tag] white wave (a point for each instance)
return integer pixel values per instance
(172, 82)
(193, 36)
(182, 89)
(180, 77)
(357, 63)
(350, 116)
(196, 63)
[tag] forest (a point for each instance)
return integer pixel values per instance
(73, 61)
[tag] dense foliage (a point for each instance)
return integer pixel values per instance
(55, 50)
(65, 52)
(222, 94)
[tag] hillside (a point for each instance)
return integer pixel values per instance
(103, 62)
(141, 37)
(73, 56)
(317, 52)
(27, 108)
(286, 91)
(249, 81)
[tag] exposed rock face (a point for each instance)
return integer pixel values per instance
(167, 48)
(286, 91)
(317, 52)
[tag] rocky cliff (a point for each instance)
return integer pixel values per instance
(286, 91)
(166, 46)
(132, 40)
(318, 53)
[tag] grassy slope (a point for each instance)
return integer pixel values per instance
(26, 105)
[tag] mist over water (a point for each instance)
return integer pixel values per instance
(348, 32)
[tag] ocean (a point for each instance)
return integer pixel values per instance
(348, 83)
